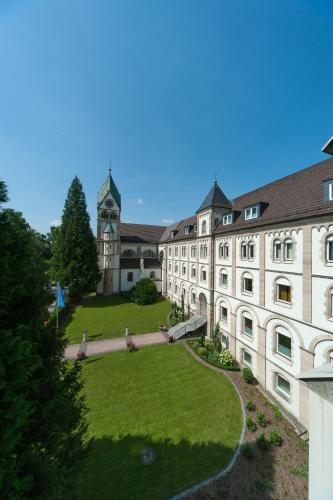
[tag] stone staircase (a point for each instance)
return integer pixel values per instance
(191, 325)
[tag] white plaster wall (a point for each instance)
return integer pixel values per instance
(295, 310)
(251, 298)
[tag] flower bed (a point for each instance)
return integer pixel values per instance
(209, 352)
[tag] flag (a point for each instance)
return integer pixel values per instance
(60, 297)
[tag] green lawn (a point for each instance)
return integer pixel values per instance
(161, 397)
(107, 317)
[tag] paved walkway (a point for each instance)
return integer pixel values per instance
(94, 347)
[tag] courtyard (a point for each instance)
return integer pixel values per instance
(158, 397)
(107, 317)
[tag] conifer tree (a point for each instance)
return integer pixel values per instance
(41, 410)
(74, 252)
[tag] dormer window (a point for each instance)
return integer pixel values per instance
(251, 212)
(173, 234)
(227, 219)
(195, 227)
(187, 229)
(328, 191)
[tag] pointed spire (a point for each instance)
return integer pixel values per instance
(215, 198)
(109, 187)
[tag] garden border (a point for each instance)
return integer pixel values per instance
(225, 470)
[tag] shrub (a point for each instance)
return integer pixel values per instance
(250, 424)
(277, 413)
(131, 346)
(217, 338)
(262, 442)
(227, 360)
(275, 437)
(144, 292)
(81, 356)
(249, 405)
(177, 315)
(248, 375)
(261, 419)
(247, 451)
(201, 351)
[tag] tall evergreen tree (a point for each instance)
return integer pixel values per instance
(41, 410)
(74, 252)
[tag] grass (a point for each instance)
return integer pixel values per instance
(107, 317)
(160, 397)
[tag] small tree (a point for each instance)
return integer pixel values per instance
(217, 338)
(144, 292)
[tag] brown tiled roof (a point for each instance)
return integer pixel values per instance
(135, 263)
(141, 233)
(179, 227)
(293, 197)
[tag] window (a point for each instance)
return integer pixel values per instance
(283, 292)
(224, 340)
(251, 250)
(247, 325)
(183, 269)
(187, 229)
(128, 253)
(204, 227)
(193, 272)
(203, 274)
(223, 250)
(277, 250)
(330, 191)
(251, 213)
(169, 285)
(329, 249)
(152, 275)
(227, 219)
(176, 251)
(183, 251)
(282, 386)
(203, 251)
(129, 276)
(193, 298)
(176, 268)
(288, 249)
(169, 265)
(173, 234)
(247, 283)
(247, 358)
(283, 343)
(224, 314)
(170, 250)
(243, 250)
(223, 278)
(195, 227)
(176, 288)
(193, 251)
(148, 253)
(330, 303)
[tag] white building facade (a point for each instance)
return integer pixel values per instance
(261, 266)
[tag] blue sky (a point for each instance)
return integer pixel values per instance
(171, 91)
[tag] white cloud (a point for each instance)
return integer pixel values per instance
(167, 221)
(55, 222)
(139, 201)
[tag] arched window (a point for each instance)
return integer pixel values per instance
(176, 268)
(193, 271)
(183, 269)
(193, 251)
(330, 303)
(204, 227)
(129, 252)
(247, 283)
(247, 324)
(244, 250)
(169, 285)
(193, 298)
(176, 288)
(148, 254)
(277, 250)
(221, 251)
(183, 251)
(250, 250)
(203, 274)
(288, 249)
(226, 250)
(329, 249)
(223, 313)
(176, 251)
(223, 277)
(152, 275)
(282, 290)
(282, 386)
(161, 255)
(283, 342)
(129, 276)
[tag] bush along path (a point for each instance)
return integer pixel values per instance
(273, 461)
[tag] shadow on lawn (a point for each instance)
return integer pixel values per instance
(113, 469)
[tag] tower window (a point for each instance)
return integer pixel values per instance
(129, 276)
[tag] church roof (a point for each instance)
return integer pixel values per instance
(215, 198)
(141, 233)
(109, 187)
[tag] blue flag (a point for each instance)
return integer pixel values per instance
(60, 297)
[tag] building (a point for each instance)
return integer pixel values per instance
(260, 265)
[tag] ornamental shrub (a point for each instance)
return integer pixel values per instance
(277, 413)
(251, 425)
(261, 419)
(227, 360)
(262, 442)
(248, 375)
(247, 451)
(250, 405)
(275, 437)
(144, 292)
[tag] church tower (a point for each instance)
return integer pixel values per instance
(108, 237)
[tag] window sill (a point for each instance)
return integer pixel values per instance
(284, 304)
(247, 336)
(283, 358)
(282, 395)
(248, 294)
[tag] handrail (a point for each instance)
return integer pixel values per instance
(184, 327)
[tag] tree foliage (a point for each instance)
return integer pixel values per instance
(74, 252)
(144, 292)
(41, 410)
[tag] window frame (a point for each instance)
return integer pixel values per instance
(224, 317)
(248, 363)
(278, 390)
(277, 244)
(244, 279)
(130, 275)
(277, 290)
(328, 246)
(278, 351)
(250, 211)
(244, 332)
(288, 241)
(227, 219)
